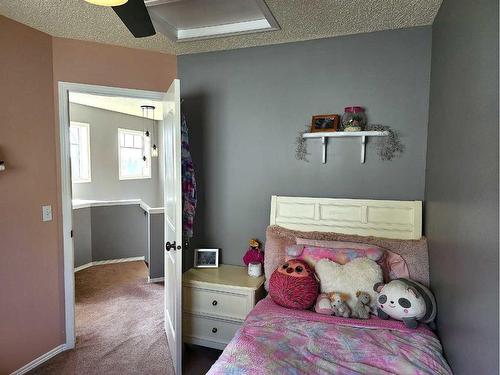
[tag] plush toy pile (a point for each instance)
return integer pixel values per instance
(354, 290)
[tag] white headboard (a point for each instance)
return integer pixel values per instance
(389, 219)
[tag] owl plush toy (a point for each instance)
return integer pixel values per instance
(294, 285)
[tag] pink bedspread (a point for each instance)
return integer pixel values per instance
(276, 340)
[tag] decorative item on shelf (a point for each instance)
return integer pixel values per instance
(301, 145)
(148, 112)
(325, 123)
(2, 166)
(206, 258)
(353, 119)
(388, 147)
(254, 258)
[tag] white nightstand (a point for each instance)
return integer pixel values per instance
(215, 302)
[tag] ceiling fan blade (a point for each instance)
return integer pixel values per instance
(136, 17)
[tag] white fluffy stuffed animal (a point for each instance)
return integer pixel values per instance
(405, 300)
(358, 274)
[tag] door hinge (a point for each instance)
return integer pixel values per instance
(71, 233)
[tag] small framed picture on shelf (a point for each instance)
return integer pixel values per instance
(325, 123)
(206, 258)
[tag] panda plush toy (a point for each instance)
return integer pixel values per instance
(405, 300)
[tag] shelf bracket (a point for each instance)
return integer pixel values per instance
(363, 149)
(324, 142)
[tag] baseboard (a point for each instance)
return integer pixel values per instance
(38, 361)
(156, 279)
(109, 261)
(87, 265)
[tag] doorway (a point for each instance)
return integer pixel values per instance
(168, 181)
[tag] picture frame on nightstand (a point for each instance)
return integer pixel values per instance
(206, 258)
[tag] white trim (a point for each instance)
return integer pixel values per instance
(266, 23)
(38, 361)
(86, 203)
(227, 29)
(119, 260)
(82, 267)
(151, 210)
(109, 261)
(66, 207)
(364, 217)
(156, 279)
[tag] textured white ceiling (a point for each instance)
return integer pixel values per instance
(298, 19)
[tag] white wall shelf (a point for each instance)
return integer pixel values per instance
(362, 135)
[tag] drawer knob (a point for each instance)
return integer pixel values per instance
(214, 302)
(214, 330)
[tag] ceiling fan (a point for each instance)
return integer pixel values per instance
(133, 14)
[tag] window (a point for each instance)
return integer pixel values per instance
(133, 146)
(79, 139)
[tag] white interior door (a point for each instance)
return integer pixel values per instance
(173, 222)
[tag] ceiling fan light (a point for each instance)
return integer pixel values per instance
(107, 3)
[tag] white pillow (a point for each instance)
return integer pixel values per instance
(359, 274)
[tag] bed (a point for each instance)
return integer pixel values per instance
(277, 340)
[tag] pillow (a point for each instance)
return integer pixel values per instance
(413, 252)
(339, 252)
(360, 274)
(393, 265)
(294, 285)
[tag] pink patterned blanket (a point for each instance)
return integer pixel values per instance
(276, 340)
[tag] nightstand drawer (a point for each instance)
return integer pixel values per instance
(208, 329)
(204, 301)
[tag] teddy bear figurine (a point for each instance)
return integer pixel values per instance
(339, 305)
(361, 309)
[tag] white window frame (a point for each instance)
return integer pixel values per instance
(147, 152)
(87, 127)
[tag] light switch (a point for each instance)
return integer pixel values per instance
(46, 213)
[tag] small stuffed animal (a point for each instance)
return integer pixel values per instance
(361, 309)
(405, 300)
(323, 305)
(339, 305)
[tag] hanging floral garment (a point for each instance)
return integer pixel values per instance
(188, 184)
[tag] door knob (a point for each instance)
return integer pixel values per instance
(170, 246)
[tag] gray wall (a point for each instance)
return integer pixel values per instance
(245, 107)
(109, 232)
(82, 236)
(462, 183)
(113, 232)
(105, 183)
(157, 246)
(118, 232)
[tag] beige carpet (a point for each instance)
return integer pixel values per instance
(119, 324)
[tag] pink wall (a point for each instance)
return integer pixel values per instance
(30, 283)
(106, 65)
(31, 263)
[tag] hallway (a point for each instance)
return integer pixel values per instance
(119, 324)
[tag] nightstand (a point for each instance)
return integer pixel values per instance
(215, 303)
